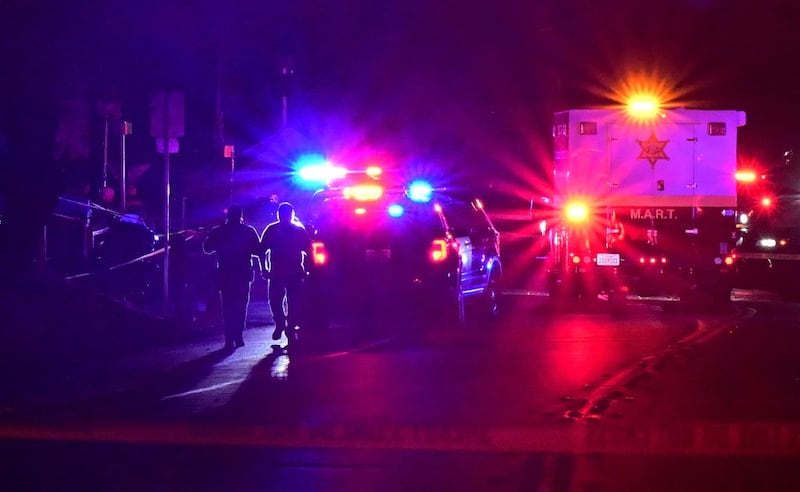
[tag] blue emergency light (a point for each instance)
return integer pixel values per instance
(315, 169)
(396, 210)
(420, 191)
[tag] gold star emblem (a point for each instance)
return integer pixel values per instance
(653, 149)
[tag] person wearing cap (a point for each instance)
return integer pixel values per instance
(285, 244)
(235, 244)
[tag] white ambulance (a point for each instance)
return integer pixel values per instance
(644, 202)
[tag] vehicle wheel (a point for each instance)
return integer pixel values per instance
(453, 315)
(687, 298)
(714, 293)
(616, 301)
(491, 299)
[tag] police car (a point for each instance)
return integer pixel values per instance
(397, 251)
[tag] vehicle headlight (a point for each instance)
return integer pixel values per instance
(767, 242)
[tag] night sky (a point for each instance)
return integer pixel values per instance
(450, 81)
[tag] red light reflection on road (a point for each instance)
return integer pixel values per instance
(582, 349)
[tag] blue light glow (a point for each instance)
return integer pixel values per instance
(321, 173)
(315, 169)
(420, 191)
(396, 210)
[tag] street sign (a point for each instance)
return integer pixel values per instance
(167, 115)
(172, 146)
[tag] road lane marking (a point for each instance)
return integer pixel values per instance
(702, 334)
(204, 389)
(342, 353)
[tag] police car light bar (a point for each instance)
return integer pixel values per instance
(321, 173)
(363, 193)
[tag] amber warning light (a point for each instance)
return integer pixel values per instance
(577, 212)
(438, 251)
(363, 193)
(643, 106)
(318, 253)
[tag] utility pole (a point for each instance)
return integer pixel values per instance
(127, 129)
(219, 115)
(286, 70)
(166, 125)
(110, 109)
(229, 153)
(105, 152)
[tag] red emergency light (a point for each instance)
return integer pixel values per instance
(653, 260)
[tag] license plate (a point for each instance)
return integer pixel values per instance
(607, 259)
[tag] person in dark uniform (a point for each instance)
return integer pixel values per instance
(235, 245)
(285, 245)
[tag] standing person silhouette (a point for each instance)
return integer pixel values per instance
(235, 245)
(285, 244)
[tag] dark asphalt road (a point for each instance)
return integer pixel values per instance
(516, 373)
(573, 399)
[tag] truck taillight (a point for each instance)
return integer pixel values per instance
(440, 250)
(318, 253)
(652, 260)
